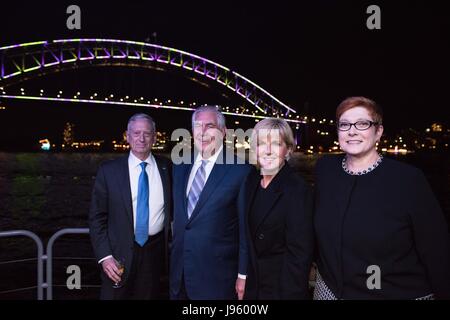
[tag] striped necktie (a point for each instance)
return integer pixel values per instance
(196, 188)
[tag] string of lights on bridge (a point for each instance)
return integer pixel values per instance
(111, 99)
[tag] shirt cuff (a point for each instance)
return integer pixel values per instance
(103, 259)
(242, 276)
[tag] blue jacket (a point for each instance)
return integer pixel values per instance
(209, 248)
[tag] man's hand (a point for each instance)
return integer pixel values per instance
(240, 288)
(111, 270)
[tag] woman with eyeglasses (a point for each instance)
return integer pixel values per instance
(380, 232)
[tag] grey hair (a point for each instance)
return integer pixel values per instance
(208, 108)
(142, 116)
(275, 124)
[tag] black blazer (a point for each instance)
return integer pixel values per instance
(388, 217)
(111, 211)
(281, 247)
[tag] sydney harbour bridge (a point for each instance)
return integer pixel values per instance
(25, 61)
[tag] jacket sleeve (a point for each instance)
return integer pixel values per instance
(243, 242)
(294, 282)
(431, 235)
(98, 217)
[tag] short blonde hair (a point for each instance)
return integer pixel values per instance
(283, 128)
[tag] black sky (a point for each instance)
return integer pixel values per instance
(310, 54)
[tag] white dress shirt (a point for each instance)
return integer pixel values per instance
(156, 194)
(208, 167)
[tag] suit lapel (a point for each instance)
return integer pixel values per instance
(185, 176)
(164, 174)
(214, 179)
(125, 189)
(252, 186)
(271, 199)
(276, 185)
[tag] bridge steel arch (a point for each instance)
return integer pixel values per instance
(24, 61)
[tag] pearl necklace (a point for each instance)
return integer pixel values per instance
(359, 173)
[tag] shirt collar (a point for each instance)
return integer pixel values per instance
(212, 159)
(135, 161)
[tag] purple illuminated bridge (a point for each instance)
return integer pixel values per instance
(24, 61)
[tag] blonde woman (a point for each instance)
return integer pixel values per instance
(279, 218)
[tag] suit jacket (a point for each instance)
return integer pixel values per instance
(209, 249)
(282, 241)
(388, 218)
(111, 212)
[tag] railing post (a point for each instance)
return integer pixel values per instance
(40, 253)
(50, 255)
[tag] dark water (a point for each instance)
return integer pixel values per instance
(46, 192)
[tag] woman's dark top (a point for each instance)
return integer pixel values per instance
(387, 218)
(280, 236)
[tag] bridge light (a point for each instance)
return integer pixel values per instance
(78, 93)
(111, 95)
(42, 90)
(142, 98)
(60, 92)
(313, 120)
(21, 89)
(169, 101)
(95, 94)
(156, 99)
(182, 102)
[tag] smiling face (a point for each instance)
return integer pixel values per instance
(140, 136)
(208, 137)
(356, 142)
(271, 151)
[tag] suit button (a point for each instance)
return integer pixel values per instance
(261, 236)
(188, 228)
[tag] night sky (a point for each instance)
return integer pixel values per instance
(309, 54)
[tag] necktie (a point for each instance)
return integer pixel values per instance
(142, 211)
(196, 188)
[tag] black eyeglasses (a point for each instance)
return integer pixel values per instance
(359, 125)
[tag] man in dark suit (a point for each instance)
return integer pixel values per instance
(209, 250)
(129, 217)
